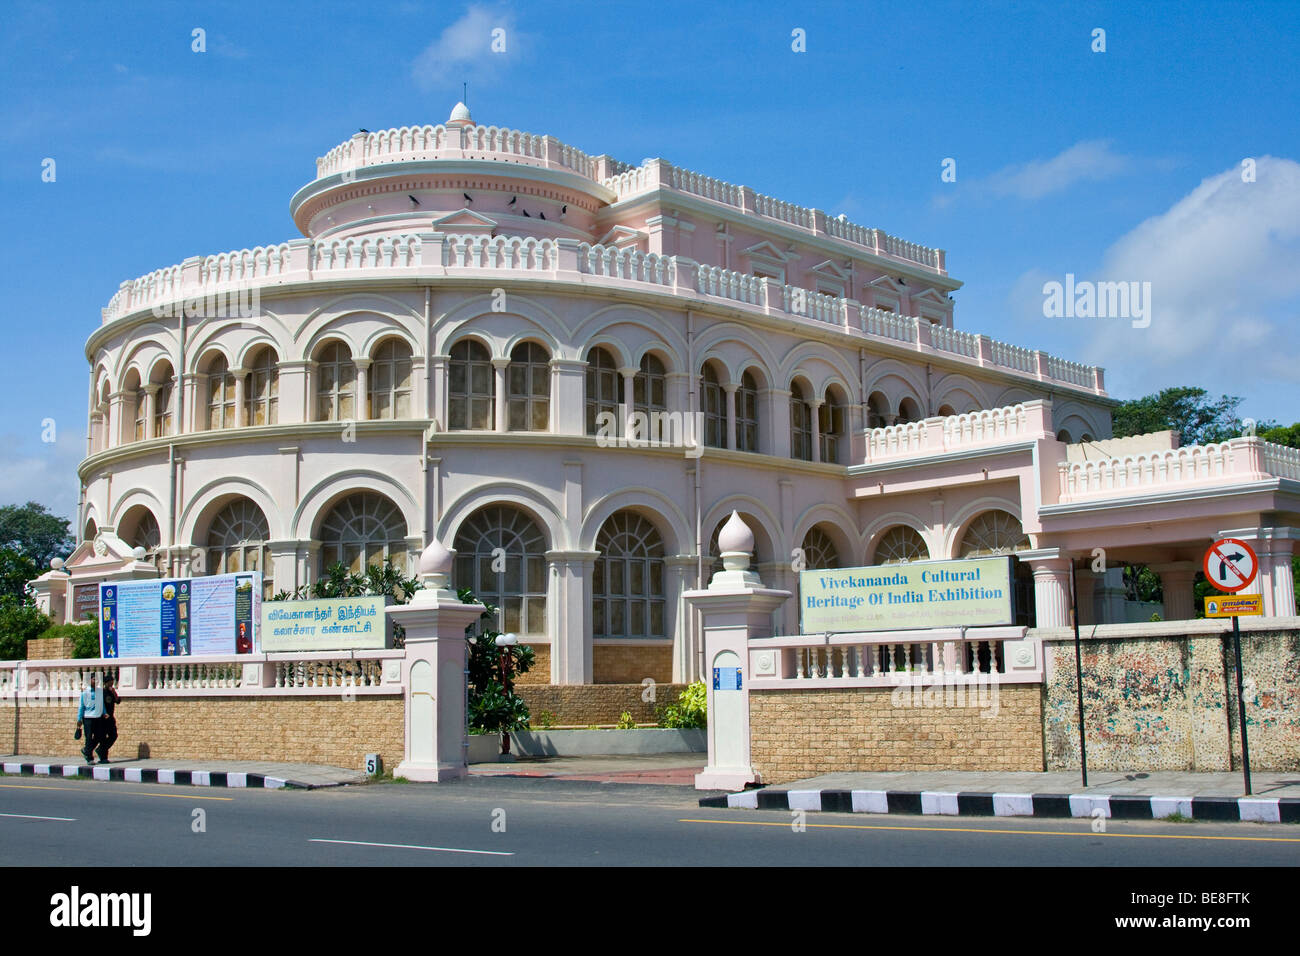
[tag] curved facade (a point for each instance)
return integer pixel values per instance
(443, 353)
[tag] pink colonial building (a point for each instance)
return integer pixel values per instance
(468, 306)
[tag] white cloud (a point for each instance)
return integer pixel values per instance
(47, 473)
(1090, 160)
(464, 49)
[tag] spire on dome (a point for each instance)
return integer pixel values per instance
(460, 116)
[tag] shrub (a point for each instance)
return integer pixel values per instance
(691, 710)
(545, 719)
(625, 721)
(85, 637)
(19, 622)
(493, 707)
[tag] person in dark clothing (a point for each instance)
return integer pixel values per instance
(106, 726)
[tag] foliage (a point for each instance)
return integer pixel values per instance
(545, 719)
(16, 570)
(1190, 411)
(34, 533)
(493, 707)
(339, 582)
(690, 711)
(625, 721)
(1142, 584)
(20, 621)
(1288, 435)
(85, 637)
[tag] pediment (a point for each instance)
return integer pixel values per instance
(466, 221)
(830, 270)
(622, 237)
(765, 250)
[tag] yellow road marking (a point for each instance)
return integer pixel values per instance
(137, 793)
(1133, 836)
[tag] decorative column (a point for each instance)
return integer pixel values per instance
(438, 390)
(731, 414)
(1051, 586)
(150, 397)
(499, 368)
(815, 413)
(568, 604)
(1274, 579)
(680, 574)
(1176, 581)
(295, 397)
(433, 672)
(241, 413)
(776, 409)
(629, 394)
(734, 609)
(362, 404)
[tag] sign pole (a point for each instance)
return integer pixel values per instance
(1078, 675)
(1241, 704)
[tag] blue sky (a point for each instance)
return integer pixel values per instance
(1116, 165)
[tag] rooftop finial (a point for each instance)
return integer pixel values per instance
(460, 116)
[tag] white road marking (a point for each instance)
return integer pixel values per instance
(408, 846)
(31, 816)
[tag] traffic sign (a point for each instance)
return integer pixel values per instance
(1230, 565)
(1243, 605)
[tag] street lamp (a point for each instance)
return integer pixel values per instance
(506, 642)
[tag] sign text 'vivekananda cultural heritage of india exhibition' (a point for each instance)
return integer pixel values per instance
(976, 592)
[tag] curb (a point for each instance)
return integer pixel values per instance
(196, 778)
(967, 804)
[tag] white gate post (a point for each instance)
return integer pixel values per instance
(734, 608)
(433, 672)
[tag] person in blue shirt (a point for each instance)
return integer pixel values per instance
(88, 716)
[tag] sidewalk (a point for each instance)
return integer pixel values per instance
(1275, 797)
(200, 773)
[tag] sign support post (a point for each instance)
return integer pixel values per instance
(1231, 565)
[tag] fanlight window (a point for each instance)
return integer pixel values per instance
(501, 555)
(363, 529)
(993, 532)
(819, 552)
(237, 541)
(899, 544)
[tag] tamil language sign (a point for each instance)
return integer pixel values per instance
(1239, 605)
(328, 624)
(177, 617)
(976, 592)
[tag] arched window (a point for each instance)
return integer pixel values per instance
(90, 531)
(237, 541)
(900, 544)
(261, 404)
(501, 555)
(604, 389)
(336, 384)
(1063, 436)
(221, 394)
(713, 404)
(831, 427)
(390, 380)
(628, 580)
(103, 437)
(747, 414)
(649, 386)
(800, 424)
(364, 528)
(946, 411)
(908, 411)
(471, 388)
(819, 552)
(999, 532)
(165, 379)
(139, 410)
(528, 399)
(148, 535)
(877, 410)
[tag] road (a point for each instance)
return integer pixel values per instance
(540, 822)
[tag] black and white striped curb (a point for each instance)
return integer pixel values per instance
(197, 778)
(1113, 806)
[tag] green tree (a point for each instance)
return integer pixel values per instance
(32, 531)
(16, 569)
(1288, 435)
(1190, 411)
(19, 622)
(339, 582)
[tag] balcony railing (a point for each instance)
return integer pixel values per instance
(936, 436)
(213, 278)
(1235, 461)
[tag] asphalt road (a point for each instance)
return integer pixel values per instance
(541, 822)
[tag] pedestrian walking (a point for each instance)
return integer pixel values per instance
(106, 728)
(88, 716)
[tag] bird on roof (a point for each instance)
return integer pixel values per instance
(467, 197)
(525, 212)
(512, 200)
(413, 199)
(541, 215)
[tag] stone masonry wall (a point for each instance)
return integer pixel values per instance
(631, 663)
(586, 704)
(1169, 702)
(49, 648)
(798, 734)
(322, 730)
